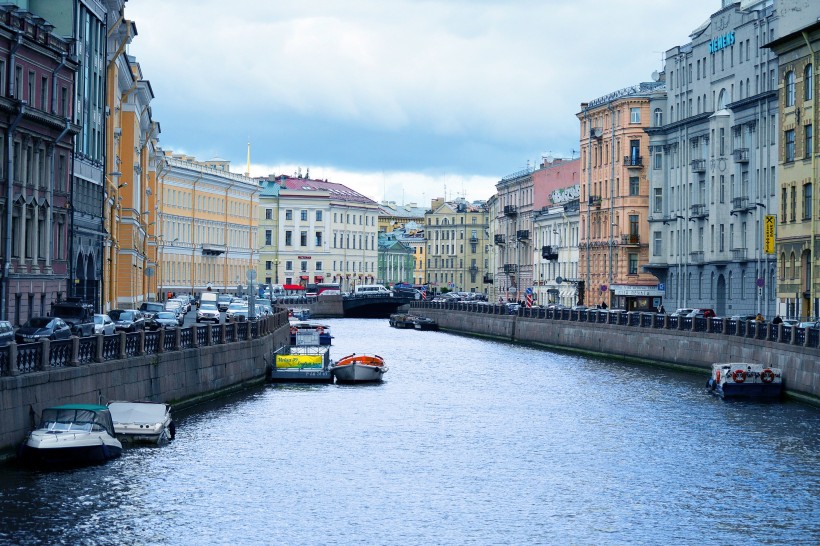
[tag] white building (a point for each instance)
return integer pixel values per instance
(556, 254)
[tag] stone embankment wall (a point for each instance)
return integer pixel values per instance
(681, 348)
(181, 377)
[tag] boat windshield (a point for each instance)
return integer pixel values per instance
(73, 419)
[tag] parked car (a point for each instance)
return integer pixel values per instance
(223, 301)
(127, 320)
(702, 312)
(151, 308)
(165, 320)
(103, 325)
(235, 308)
(37, 328)
(6, 333)
(684, 312)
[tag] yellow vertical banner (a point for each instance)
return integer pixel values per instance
(768, 234)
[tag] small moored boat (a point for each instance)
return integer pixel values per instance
(72, 434)
(745, 380)
(310, 333)
(424, 323)
(359, 369)
(142, 422)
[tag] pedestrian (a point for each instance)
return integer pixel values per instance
(759, 318)
(661, 310)
(777, 320)
(603, 305)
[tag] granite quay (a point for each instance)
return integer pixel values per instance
(181, 366)
(660, 339)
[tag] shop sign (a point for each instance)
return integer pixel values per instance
(716, 44)
(626, 290)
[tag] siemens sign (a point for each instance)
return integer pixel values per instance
(722, 41)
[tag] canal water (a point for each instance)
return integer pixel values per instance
(467, 441)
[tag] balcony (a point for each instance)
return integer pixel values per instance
(522, 234)
(739, 255)
(740, 204)
(742, 155)
(549, 253)
(510, 210)
(696, 257)
(213, 250)
(499, 239)
(473, 240)
(595, 201)
(488, 278)
(631, 239)
(510, 268)
(698, 211)
(633, 161)
(698, 165)
(473, 269)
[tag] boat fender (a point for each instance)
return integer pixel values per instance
(717, 377)
(739, 376)
(293, 330)
(767, 375)
(320, 330)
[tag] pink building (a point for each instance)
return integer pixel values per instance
(555, 182)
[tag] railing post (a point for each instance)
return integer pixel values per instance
(45, 354)
(161, 341)
(141, 343)
(178, 338)
(194, 336)
(209, 334)
(793, 341)
(780, 333)
(123, 341)
(98, 356)
(235, 329)
(693, 326)
(222, 330)
(805, 337)
(708, 325)
(75, 351)
(13, 369)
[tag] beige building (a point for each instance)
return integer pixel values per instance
(208, 225)
(797, 225)
(456, 234)
(513, 214)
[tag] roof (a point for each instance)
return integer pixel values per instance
(293, 287)
(87, 407)
(337, 191)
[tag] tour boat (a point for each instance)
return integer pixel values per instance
(359, 368)
(745, 380)
(424, 323)
(309, 333)
(72, 434)
(142, 422)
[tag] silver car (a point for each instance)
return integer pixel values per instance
(103, 325)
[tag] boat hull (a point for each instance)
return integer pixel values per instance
(741, 380)
(357, 373)
(69, 449)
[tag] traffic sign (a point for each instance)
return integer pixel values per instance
(559, 280)
(768, 232)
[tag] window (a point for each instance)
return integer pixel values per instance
(809, 141)
(43, 92)
(634, 185)
(633, 264)
(807, 201)
(658, 161)
(303, 266)
(303, 215)
(788, 92)
(658, 117)
(318, 243)
(722, 189)
(793, 204)
(657, 243)
(303, 238)
(318, 266)
(268, 265)
(288, 214)
(658, 200)
(318, 216)
(722, 141)
(288, 238)
(808, 83)
(268, 214)
(634, 115)
(268, 237)
(788, 140)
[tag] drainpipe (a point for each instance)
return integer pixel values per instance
(4, 293)
(813, 283)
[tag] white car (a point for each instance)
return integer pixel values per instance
(103, 325)
(235, 308)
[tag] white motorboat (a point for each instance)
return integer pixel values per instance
(359, 369)
(745, 380)
(72, 434)
(142, 422)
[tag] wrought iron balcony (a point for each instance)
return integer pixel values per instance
(488, 278)
(549, 253)
(499, 239)
(473, 239)
(742, 155)
(633, 161)
(631, 239)
(739, 254)
(698, 165)
(696, 257)
(740, 204)
(510, 210)
(473, 268)
(522, 234)
(510, 268)
(595, 201)
(698, 211)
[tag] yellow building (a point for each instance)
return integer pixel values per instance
(208, 220)
(129, 209)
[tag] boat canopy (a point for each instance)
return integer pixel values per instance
(138, 412)
(77, 417)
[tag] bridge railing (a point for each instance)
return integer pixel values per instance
(45, 354)
(775, 333)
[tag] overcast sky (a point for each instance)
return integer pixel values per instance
(394, 98)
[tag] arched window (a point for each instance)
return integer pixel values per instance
(788, 83)
(783, 266)
(741, 89)
(792, 267)
(658, 117)
(721, 100)
(808, 83)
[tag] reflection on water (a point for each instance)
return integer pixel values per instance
(466, 441)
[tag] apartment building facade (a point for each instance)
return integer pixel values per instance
(512, 235)
(714, 143)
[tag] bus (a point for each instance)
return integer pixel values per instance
(324, 289)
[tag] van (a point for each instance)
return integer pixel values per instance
(372, 289)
